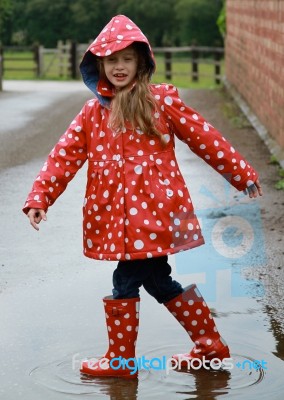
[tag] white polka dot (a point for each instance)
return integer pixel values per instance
(127, 316)
(195, 116)
(194, 322)
(195, 236)
(237, 178)
(220, 154)
(249, 183)
(201, 332)
(133, 211)
(202, 146)
(129, 328)
(198, 312)
(205, 127)
(138, 169)
(120, 335)
(122, 348)
(168, 100)
(138, 244)
(242, 164)
(100, 148)
(117, 322)
(190, 302)
(177, 221)
(216, 143)
(112, 354)
(182, 120)
(106, 194)
(62, 152)
(89, 243)
(209, 342)
(108, 52)
(153, 236)
(178, 304)
(186, 313)
(220, 167)
(36, 197)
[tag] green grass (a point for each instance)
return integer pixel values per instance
(181, 65)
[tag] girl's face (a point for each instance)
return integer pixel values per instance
(121, 67)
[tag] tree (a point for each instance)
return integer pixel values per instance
(197, 21)
(155, 18)
(5, 12)
(48, 21)
(89, 17)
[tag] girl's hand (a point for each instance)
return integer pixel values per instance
(254, 190)
(35, 215)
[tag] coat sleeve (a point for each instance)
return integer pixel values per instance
(64, 160)
(205, 141)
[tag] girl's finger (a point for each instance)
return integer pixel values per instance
(34, 224)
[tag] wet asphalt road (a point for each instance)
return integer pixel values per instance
(50, 294)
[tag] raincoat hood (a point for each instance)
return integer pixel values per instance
(118, 34)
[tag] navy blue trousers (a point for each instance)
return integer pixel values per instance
(151, 273)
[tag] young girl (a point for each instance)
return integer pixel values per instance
(137, 208)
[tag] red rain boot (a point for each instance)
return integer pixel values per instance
(191, 311)
(122, 319)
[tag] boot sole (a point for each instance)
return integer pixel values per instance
(109, 375)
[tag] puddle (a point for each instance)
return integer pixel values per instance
(63, 376)
(51, 310)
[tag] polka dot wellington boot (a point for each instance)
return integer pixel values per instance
(191, 311)
(122, 320)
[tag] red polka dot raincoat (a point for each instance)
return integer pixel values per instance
(136, 204)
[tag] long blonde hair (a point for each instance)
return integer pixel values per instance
(137, 105)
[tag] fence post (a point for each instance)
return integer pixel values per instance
(194, 64)
(1, 67)
(38, 59)
(217, 58)
(60, 58)
(73, 60)
(168, 65)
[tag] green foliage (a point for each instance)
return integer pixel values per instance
(279, 185)
(155, 18)
(273, 160)
(167, 22)
(196, 21)
(221, 21)
(5, 12)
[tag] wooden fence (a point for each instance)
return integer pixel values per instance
(64, 61)
(194, 55)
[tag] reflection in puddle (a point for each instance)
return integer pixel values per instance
(62, 377)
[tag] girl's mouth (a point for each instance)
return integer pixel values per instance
(120, 75)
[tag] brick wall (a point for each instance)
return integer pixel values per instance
(255, 58)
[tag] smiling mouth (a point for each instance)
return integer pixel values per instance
(120, 75)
